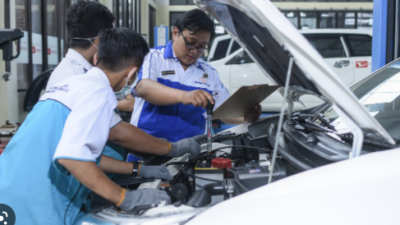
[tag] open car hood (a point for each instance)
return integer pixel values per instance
(270, 39)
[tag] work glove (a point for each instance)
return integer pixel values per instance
(158, 172)
(187, 145)
(143, 197)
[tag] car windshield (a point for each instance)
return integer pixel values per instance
(380, 94)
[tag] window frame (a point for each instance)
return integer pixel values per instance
(187, 2)
(61, 33)
(349, 46)
(319, 12)
(328, 35)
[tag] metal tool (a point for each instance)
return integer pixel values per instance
(209, 125)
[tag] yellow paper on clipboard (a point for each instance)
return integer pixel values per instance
(242, 100)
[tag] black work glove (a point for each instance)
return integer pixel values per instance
(158, 172)
(143, 197)
(187, 145)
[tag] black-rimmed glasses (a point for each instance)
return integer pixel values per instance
(191, 46)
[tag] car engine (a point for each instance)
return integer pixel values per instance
(240, 161)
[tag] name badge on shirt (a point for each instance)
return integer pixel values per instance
(168, 72)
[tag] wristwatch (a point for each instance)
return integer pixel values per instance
(135, 170)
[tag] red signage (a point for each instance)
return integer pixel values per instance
(361, 64)
(48, 51)
(33, 50)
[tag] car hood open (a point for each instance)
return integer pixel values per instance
(270, 39)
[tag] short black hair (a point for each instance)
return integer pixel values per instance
(86, 20)
(194, 20)
(119, 48)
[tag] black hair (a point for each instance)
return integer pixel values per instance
(86, 20)
(121, 47)
(194, 20)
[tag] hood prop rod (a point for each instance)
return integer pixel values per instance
(281, 115)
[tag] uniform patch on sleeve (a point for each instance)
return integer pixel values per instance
(168, 72)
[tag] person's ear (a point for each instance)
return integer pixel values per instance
(175, 33)
(95, 59)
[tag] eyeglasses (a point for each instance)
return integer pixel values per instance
(191, 46)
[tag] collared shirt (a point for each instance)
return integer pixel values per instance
(65, 124)
(73, 64)
(175, 122)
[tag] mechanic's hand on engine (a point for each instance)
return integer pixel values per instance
(252, 114)
(158, 172)
(143, 197)
(187, 145)
(198, 98)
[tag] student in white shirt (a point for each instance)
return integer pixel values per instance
(54, 160)
(85, 19)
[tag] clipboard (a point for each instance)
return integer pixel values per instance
(244, 98)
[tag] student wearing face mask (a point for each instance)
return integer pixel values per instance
(175, 84)
(85, 19)
(84, 22)
(54, 160)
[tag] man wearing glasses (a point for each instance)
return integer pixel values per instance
(174, 84)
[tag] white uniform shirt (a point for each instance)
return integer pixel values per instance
(91, 102)
(73, 64)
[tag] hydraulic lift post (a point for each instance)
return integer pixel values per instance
(386, 32)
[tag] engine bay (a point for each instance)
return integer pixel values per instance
(240, 161)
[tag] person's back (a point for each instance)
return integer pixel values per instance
(67, 129)
(34, 145)
(71, 65)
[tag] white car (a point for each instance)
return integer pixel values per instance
(347, 51)
(336, 163)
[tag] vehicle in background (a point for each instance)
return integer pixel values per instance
(347, 51)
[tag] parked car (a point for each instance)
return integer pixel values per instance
(347, 51)
(336, 163)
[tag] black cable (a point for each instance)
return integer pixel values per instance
(238, 180)
(201, 178)
(66, 210)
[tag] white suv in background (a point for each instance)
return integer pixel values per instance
(347, 51)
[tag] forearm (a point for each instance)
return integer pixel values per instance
(237, 120)
(133, 138)
(126, 104)
(158, 94)
(90, 175)
(110, 165)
